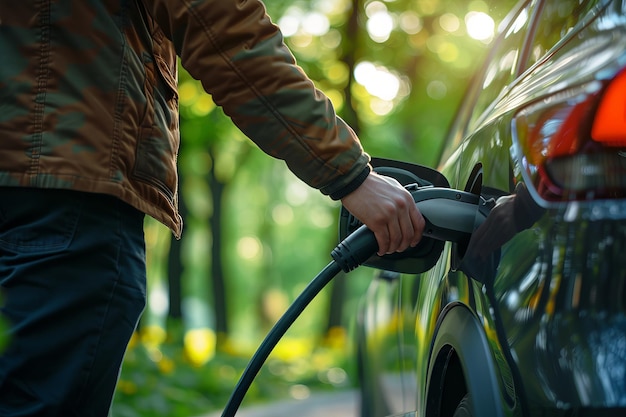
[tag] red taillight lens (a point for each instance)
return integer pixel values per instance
(573, 144)
(609, 125)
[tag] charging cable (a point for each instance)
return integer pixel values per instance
(348, 255)
(450, 215)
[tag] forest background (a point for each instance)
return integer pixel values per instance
(255, 235)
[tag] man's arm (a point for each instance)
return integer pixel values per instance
(238, 54)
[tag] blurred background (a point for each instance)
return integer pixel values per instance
(255, 235)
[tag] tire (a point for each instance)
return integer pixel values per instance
(464, 409)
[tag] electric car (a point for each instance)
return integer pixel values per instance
(525, 314)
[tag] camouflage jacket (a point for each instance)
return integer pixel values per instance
(88, 96)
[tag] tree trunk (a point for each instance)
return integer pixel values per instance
(217, 265)
(349, 114)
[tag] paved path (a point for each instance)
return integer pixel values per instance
(332, 404)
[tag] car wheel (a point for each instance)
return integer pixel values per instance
(464, 409)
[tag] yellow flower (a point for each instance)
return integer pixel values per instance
(153, 336)
(292, 348)
(200, 345)
(166, 365)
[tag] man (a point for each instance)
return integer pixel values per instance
(89, 137)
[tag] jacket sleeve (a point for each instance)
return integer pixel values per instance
(238, 54)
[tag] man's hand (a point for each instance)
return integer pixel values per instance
(389, 211)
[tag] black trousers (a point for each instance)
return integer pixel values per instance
(72, 288)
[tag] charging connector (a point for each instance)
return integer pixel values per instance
(450, 215)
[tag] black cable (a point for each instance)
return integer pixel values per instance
(276, 333)
(355, 249)
(348, 255)
(451, 221)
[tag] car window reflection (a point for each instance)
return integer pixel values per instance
(556, 22)
(501, 69)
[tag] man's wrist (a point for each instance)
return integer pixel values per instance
(352, 185)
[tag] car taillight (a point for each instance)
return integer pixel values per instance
(609, 125)
(573, 143)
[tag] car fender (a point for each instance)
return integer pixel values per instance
(459, 339)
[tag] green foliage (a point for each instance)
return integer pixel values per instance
(427, 50)
(160, 379)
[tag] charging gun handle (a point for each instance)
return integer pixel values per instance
(450, 215)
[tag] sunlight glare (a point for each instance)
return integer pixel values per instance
(381, 107)
(377, 80)
(449, 22)
(379, 26)
(410, 22)
(289, 25)
(519, 23)
(375, 7)
(295, 21)
(480, 26)
(332, 39)
(158, 300)
(297, 193)
(282, 214)
(315, 23)
(301, 40)
(249, 247)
